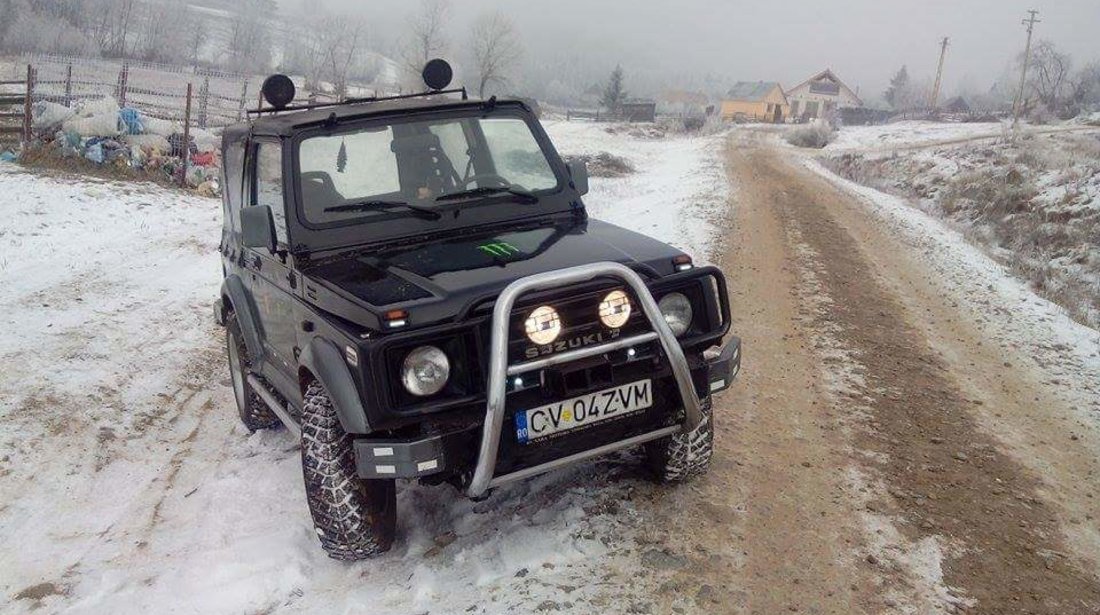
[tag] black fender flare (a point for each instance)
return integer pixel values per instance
(233, 290)
(326, 363)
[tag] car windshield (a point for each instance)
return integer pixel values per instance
(416, 168)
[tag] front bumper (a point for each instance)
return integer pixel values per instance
(394, 459)
(451, 450)
(723, 364)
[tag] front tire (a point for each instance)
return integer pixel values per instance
(253, 411)
(354, 518)
(684, 456)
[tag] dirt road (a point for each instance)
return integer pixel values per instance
(882, 452)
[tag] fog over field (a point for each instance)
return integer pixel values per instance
(864, 41)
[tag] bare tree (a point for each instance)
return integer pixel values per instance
(197, 37)
(110, 27)
(1085, 86)
(341, 44)
(426, 38)
(250, 37)
(329, 47)
(161, 35)
(494, 48)
(1048, 80)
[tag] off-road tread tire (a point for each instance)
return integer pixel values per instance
(354, 518)
(255, 414)
(682, 457)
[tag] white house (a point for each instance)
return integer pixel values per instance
(821, 95)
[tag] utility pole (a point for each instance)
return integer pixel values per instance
(939, 75)
(1030, 23)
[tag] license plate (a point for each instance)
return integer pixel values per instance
(545, 421)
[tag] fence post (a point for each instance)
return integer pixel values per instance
(244, 100)
(69, 86)
(27, 108)
(186, 138)
(123, 76)
(204, 101)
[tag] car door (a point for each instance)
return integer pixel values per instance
(269, 276)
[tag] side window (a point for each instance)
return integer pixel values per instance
(233, 180)
(269, 184)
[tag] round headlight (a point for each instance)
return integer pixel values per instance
(615, 309)
(425, 371)
(543, 326)
(677, 312)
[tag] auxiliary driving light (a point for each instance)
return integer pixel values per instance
(425, 371)
(615, 309)
(543, 326)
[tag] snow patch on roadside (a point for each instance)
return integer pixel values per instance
(908, 134)
(922, 560)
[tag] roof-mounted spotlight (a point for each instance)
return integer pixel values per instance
(437, 74)
(278, 91)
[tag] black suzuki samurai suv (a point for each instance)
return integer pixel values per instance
(413, 287)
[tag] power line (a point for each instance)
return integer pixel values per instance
(1030, 22)
(939, 75)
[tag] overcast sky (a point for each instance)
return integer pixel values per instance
(864, 41)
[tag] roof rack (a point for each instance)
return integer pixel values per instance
(355, 101)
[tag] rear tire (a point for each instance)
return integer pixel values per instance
(354, 518)
(682, 457)
(253, 411)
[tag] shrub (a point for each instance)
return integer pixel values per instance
(816, 136)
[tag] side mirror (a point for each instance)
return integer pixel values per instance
(258, 227)
(579, 172)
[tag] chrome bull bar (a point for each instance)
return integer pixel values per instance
(500, 370)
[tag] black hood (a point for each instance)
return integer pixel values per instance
(437, 280)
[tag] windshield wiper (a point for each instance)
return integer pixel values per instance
(522, 196)
(419, 211)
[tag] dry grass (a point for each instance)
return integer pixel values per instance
(604, 164)
(997, 202)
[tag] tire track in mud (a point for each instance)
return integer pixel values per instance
(946, 479)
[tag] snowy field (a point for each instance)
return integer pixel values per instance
(127, 484)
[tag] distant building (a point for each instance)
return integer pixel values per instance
(822, 95)
(638, 110)
(761, 101)
(955, 105)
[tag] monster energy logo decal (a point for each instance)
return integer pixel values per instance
(499, 248)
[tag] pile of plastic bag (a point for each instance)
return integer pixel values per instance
(100, 131)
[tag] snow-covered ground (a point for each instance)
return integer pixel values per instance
(911, 134)
(1031, 201)
(127, 484)
(678, 193)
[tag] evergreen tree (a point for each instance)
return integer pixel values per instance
(898, 85)
(614, 95)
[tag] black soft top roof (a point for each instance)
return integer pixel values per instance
(286, 123)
